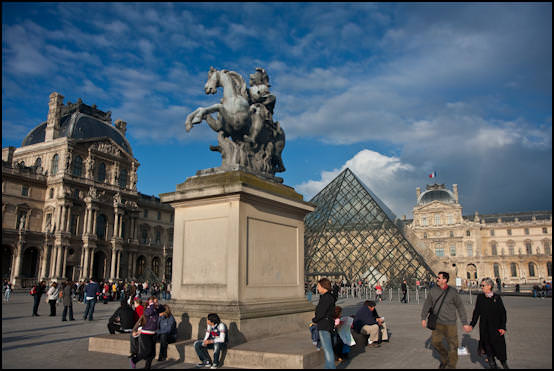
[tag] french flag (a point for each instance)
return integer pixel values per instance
(433, 174)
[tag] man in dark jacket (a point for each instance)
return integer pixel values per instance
(91, 290)
(404, 288)
(368, 322)
(38, 290)
(122, 320)
(67, 297)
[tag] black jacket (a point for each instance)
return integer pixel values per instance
(492, 316)
(126, 317)
(324, 312)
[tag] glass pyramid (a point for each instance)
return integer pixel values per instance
(352, 235)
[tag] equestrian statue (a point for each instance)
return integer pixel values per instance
(248, 138)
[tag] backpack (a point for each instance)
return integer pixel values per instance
(33, 291)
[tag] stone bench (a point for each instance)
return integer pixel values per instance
(293, 350)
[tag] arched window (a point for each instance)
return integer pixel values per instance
(123, 178)
(101, 225)
(77, 166)
(531, 269)
(54, 167)
(101, 173)
(496, 269)
(156, 266)
(513, 269)
(494, 249)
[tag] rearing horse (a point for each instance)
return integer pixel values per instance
(233, 110)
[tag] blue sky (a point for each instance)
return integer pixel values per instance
(393, 91)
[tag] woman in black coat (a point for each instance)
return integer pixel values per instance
(324, 318)
(492, 324)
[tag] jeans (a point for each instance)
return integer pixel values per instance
(202, 351)
(64, 313)
(327, 346)
(89, 310)
(7, 294)
(52, 307)
(165, 339)
(35, 304)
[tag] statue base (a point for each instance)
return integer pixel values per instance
(227, 168)
(238, 252)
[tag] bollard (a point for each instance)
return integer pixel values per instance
(390, 295)
(417, 294)
(408, 296)
(425, 293)
(398, 290)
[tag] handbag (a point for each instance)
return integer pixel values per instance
(432, 318)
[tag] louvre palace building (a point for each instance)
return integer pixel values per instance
(515, 247)
(70, 204)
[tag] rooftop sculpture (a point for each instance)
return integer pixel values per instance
(248, 138)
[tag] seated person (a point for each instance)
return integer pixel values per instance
(368, 322)
(215, 338)
(122, 320)
(139, 308)
(344, 340)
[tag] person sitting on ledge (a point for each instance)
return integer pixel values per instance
(122, 320)
(215, 338)
(368, 322)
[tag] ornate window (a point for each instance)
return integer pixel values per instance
(546, 245)
(452, 250)
(101, 225)
(144, 235)
(528, 248)
(544, 230)
(509, 232)
(25, 190)
(468, 233)
(77, 166)
(168, 268)
(513, 269)
(101, 173)
(451, 233)
(494, 249)
(54, 167)
(492, 232)
(549, 268)
(158, 236)
(141, 262)
(424, 234)
(531, 269)
(496, 269)
(450, 219)
(73, 224)
(526, 230)
(439, 250)
(424, 220)
(437, 219)
(51, 193)
(159, 215)
(156, 266)
(511, 248)
(469, 248)
(123, 178)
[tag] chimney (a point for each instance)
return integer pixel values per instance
(418, 192)
(54, 116)
(455, 189)
(121, 126)
(7, 154)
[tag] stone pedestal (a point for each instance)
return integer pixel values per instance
(238, 252)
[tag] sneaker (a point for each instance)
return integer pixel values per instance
(374, 345)
(202, 364)
(215, 365)
(132, 364)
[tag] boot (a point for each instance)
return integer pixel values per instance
(492, 362)
(504, 364)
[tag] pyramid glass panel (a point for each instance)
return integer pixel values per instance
(352, 234)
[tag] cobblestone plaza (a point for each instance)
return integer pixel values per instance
(46, 342)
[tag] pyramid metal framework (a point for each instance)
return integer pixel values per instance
(352, 235)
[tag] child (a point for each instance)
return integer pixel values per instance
(344, 340)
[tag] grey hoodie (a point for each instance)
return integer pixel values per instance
(447, 314)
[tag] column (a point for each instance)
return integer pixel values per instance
(52, 261)
(85, 221)
(94, 212)
(118, 264)
(68, 221)
(44, 261)
(17, 265)
(112, 268)
(64, 260)
(63, 219)
(59, 258)
(85, 262)
(91, 262)
(116, 225)
(120, 228)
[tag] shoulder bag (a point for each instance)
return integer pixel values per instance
(432, 318)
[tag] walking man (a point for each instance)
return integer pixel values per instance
(448, 303)
(404, 288)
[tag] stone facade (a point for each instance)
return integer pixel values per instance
(516, 247)
(70, 206)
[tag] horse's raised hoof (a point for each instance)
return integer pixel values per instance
(188, 126)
